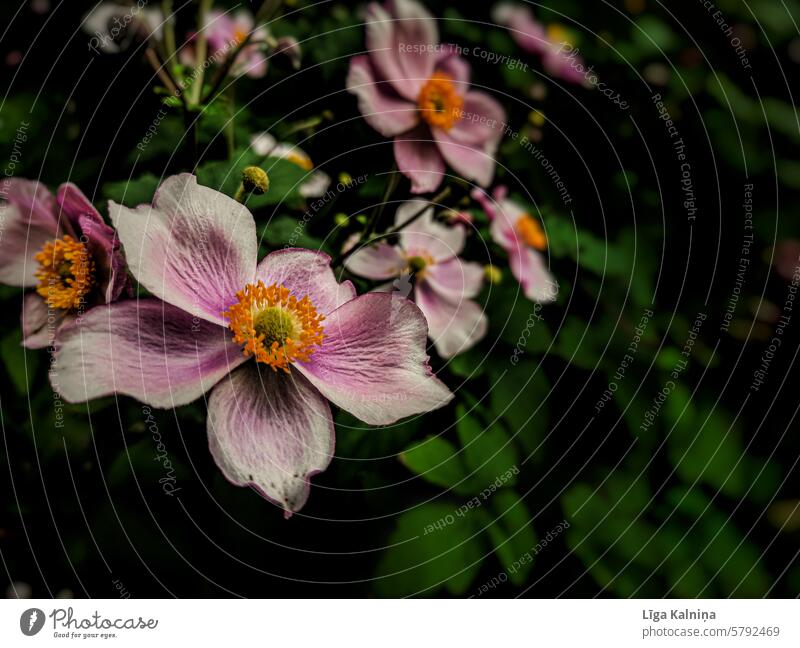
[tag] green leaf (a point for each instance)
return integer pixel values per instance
(488, 453)
(20, 364)
(285, 230)
(430, 549)
(436, 461)
(132, 192)
(512, 535)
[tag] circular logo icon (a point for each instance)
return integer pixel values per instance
(31, 621)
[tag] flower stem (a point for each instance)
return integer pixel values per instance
(169, 32)
(200, 50)
(444, 193)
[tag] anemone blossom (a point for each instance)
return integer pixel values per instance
(443, 284)
(550, 42)
(523, 238)
(416, 90)
(61, 246)
(274, 341)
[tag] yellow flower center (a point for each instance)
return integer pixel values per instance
(274, 326)
(558, 34)
(531, 233)
(439, 102)
(417, 263)
(239, 35)
(65, 273)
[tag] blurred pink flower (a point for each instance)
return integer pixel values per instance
(551, 42)
(224, 32)
(443, 284)
(273, 341)
(787, 258)
(61, 246)
(523, 238)
(416, 90)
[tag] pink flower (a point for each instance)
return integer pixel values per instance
(523, 238)
(274, 341)
(443, 284)
(415, 90)
(224, 32)
(61, 246)
(559, 57)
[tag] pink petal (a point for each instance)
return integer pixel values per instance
(305, 272)
(529, 268)
(425, 236)
(401, 40)
(372, 361)
(482, 123)
(418, 158)
(147, 349)
(503, 227)
(454, 66)
(529, 34)
(194, 248)
(455, 279)
(29, 220)
(381, 107)
(558, 63)
(271, 431)
(454, 326)
(40, 324)
(378, 261)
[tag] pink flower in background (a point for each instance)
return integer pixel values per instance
(523, 238)
(551, 42)
(224, 32)
(417, 91)
(61, 246)
(274, 341)
(787, 258)
(443, 285)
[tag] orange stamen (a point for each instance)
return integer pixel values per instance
(65, 273)
(274, 326)
(531, 232)
(439, 102)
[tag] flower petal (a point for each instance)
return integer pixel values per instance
(147, 349)
(401, 39)
(29, 219)
(306, 272)
(271, 431)
(377, 261)
(372, 361)
(418, 158)
(528, 267)
(382, 108)
(194, 248)
(454, 326)
(529, 34)
(482, 123)
(455, 279)
(425, 235)
(40, 324)
(454, 66)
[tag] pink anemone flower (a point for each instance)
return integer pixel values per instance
(551, 42)
(224, 32)
(61, 247)
(523, 238)
(443, 284)
(274, 341)
(412, 88)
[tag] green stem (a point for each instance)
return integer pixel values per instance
(201, 50)
(169, 33)
(230, 125)
(444, 193)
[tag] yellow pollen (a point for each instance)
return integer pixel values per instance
(558, 34)
(439, 102)
(274, 326)
(239, 35)
(529, 230)
(416, 263)
(65, 273)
